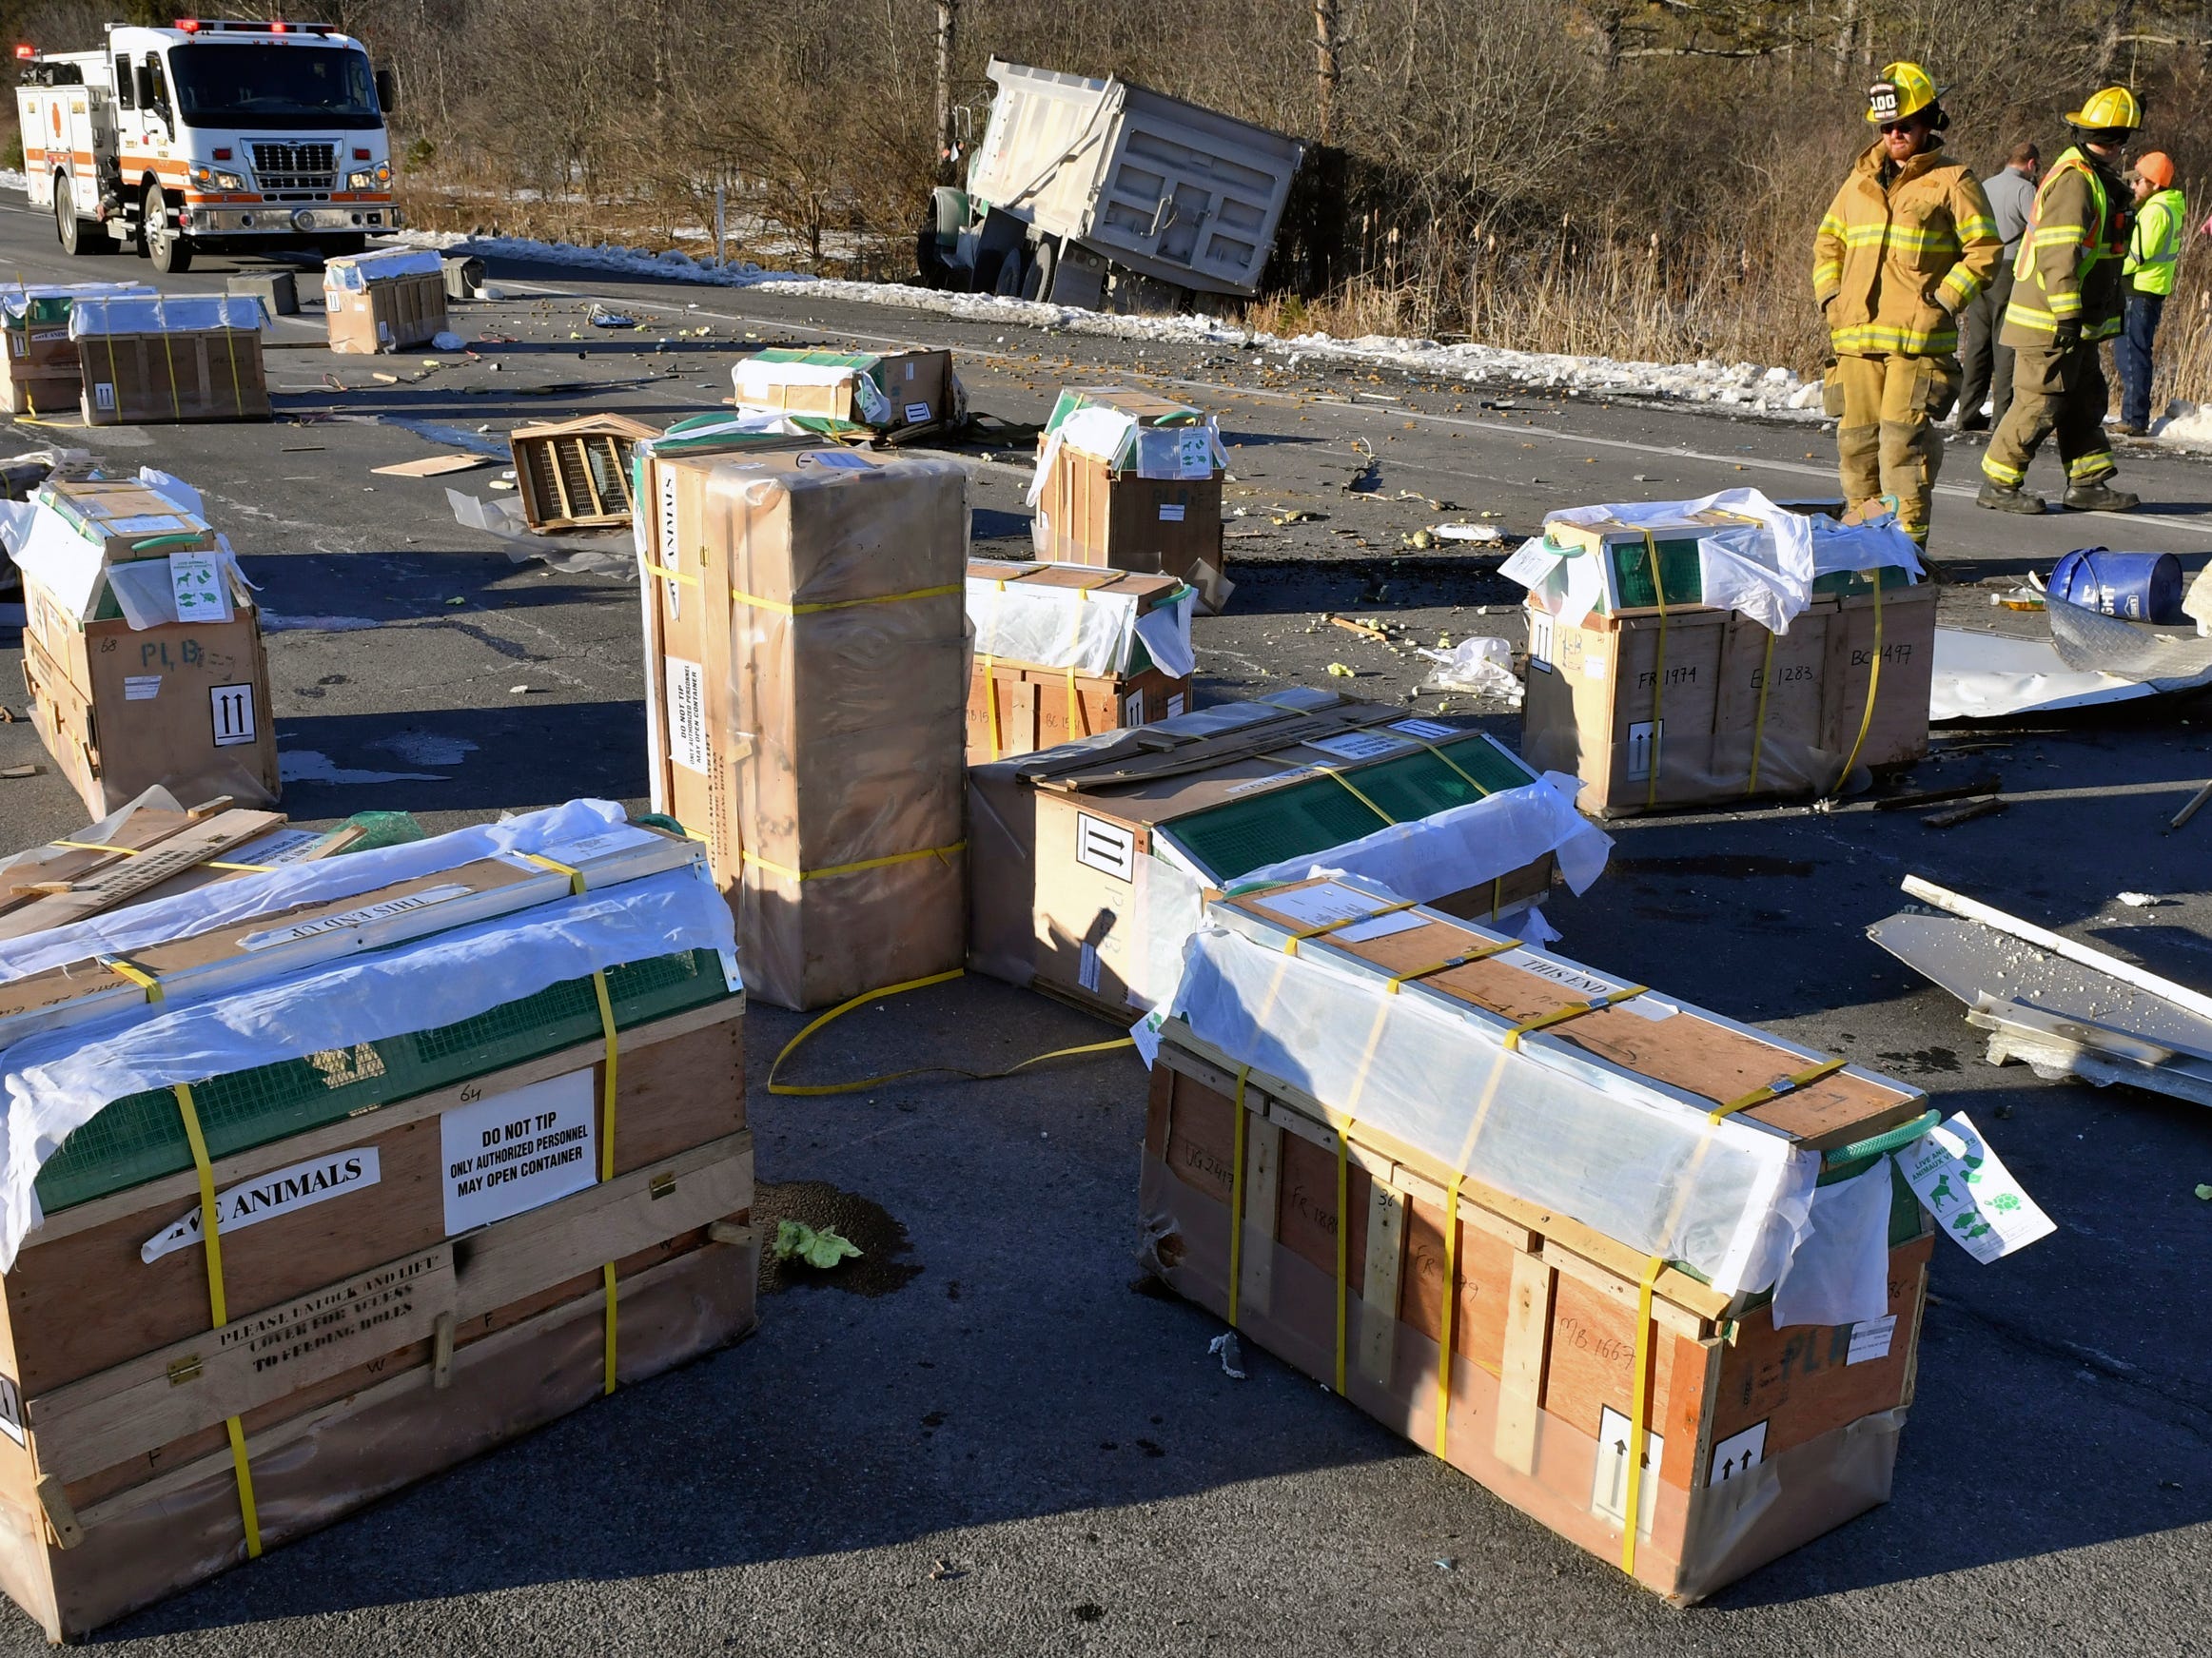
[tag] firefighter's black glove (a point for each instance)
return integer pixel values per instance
(2067, 334)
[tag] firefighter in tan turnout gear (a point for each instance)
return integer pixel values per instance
(1906, 245)
(2068, 298)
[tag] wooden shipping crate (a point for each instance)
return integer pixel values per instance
(384, 313)
(1017, 706)
(806, 641)
(177, 376)
(117, 515)
(1759, 1440)
(1122, 511)
(40, 393)
(1330, 1238)
(1060, 840)
(371, 1336)
(915, 386)
(1742, 713)
(576, 473)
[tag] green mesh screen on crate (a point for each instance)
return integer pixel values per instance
(1270, 826)
(141, 1137)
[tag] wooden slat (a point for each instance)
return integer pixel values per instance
(1378, 1287)
(1262, 1193)
(1520, 1380)
(121, 878)
(176, 1390)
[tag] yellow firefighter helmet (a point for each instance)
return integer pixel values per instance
(2113, 109)
(1904, 89)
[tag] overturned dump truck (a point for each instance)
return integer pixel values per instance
(1108, 196)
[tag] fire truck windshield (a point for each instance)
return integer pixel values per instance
(262, 87)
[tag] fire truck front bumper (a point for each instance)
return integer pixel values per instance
(280, 221)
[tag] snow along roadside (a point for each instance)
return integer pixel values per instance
(1745, 385)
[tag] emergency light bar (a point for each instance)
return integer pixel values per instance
(226, 26)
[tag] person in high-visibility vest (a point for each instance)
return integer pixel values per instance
(2066, 303)
(1903, 249)
(2154, 252)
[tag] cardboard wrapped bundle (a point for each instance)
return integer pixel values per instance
(1091, 857)
(897, 393)
(482, 1159)
(142, 650)
(1066, 651)
(805, 649)
(1668, 667)
(1132, 481)
(386, 301)
(43, 374)
(1376, 1135)
(170, 358)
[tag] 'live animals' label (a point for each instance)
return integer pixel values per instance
(1971, 1194)
(198, 586)
(284, 1191)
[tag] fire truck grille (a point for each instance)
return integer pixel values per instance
(296, 167)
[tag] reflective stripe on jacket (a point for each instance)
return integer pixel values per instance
(2154, 251)
(1901, 261)
(2069, 268)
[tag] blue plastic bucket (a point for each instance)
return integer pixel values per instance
(2142, 587)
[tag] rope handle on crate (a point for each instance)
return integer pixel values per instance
(1890, 1140)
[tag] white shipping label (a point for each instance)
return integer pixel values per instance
(1359, 745)
(917, 414)
(1174, 705)
(1171, 512)
(150, 525)
(1322, 903)
(1106, 846)
(141, 687)
(231, 707)
(1608, 1485)
(284, 1191)
(687, 715)
(1531, 562)
(368, 914)
(1086, 968)
(1429, 730)
(1737, 1454)
(1870, 1339)
(202, 594)
(580, 852)
(11, 1410)
(517, 1150)
(1593, 665)
(1971, 1194)
(1381, 926)
(102, 395)
(1194, 453)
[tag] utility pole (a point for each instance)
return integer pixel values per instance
(948, 24)
(1326, 74)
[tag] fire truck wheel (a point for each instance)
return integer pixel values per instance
(172, 254)
(78, 236)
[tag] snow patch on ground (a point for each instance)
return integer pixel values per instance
(1743, 385)
(2187, 423)
(12, 180)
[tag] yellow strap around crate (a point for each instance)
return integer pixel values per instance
(668, 575)
(1344, 1239)
(1658, 672)
(577, 885)
(1759, 726)
(1505, 946)
(841, 604)
(1776, 1089)
(1237, 1193)
(1357, 793)
(170, 356)
(815, 1090)
(141, 852)
(1444, 1324)
(212, 1243)
(1638, 1415)
(1874, 685)
(852, 869)
(1573, 1010)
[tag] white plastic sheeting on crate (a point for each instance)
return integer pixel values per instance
(1063, 627)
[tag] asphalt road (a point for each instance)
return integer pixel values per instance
(1017, 1449)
